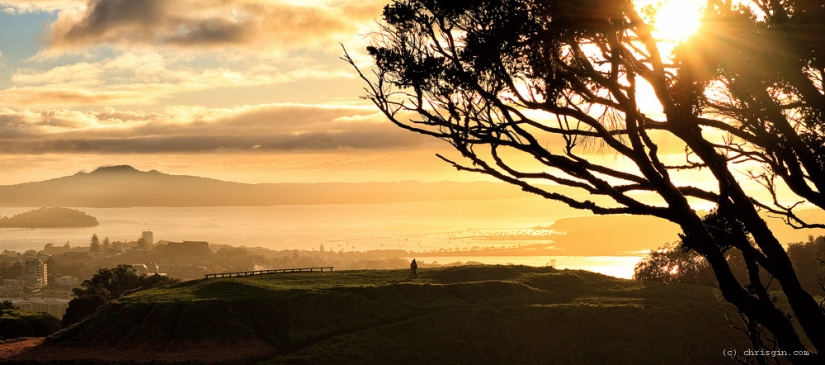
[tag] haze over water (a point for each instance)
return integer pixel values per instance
(419, 227)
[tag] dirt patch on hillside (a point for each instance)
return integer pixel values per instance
(213, 352)
(11, 348)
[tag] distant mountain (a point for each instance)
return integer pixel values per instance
(125, 186)
(50, 218)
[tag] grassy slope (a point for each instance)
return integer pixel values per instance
(16, 323)
(462, 315)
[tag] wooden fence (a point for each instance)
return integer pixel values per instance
(262, 272)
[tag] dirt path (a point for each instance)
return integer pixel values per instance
(10, 348)
(208, 353)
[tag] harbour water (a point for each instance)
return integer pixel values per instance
(419, 227)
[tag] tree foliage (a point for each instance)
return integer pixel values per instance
(535, 92)
(107, 285)
(94, 244)
(672, 264)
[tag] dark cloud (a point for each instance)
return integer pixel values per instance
(199, 23)
(315, 141)
(214, 31)
(105, 15)
(262, 128)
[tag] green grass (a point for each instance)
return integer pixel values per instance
(16, 323)
(460, 315)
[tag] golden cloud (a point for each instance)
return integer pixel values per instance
(200, 24)
(144, 79)
(277, 127)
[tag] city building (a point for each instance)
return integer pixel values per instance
(186, 249)
(54, 306)
(35, 272)
(148, 237)
(66, 281)
(12, 288)
(58, 292)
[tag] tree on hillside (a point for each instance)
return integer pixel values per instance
(11, 270)
(107, 285)
(673, 264)
(535, 92)
(94, 245)
(107, 246)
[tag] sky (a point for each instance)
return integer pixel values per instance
(241, 90)
(250, 91)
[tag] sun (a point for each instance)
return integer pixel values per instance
(677, 20)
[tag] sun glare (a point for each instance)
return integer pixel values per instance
(677, 20)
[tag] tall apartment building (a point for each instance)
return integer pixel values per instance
(148, 237)
(36, 273)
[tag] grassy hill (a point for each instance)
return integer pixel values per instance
(460, 315)
(16, 323)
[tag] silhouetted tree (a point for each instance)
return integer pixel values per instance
(107, 285)
(80, 309)
(524, 90)
(107, 247)
(672, 264)
(94, 245)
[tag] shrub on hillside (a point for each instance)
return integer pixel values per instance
(107, 285)
(15, 323)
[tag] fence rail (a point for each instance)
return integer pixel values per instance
(263, 272)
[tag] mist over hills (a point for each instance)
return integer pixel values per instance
(125, 186)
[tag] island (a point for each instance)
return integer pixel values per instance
(49, 218)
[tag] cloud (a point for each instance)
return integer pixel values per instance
(25, 6)
(279, 127)
(83, 73)
(151, 53)
(316, 141)
(147, 78)
(199, 24)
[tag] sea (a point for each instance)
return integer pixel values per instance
(416, 226)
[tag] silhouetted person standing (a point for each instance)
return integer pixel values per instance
(413, 269)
